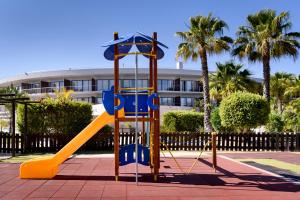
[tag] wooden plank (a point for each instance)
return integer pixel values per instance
(292, 142)
(1, 139)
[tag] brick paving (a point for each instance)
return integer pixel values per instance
(93, 178)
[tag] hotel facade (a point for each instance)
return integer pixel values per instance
(177, 86)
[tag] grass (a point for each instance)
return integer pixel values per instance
(275, 163)
(22, 158)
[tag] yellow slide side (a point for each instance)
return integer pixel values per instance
(47, 167)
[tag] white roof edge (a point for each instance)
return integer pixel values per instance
(91, 72)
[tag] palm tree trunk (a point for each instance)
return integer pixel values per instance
(279, 105)
(205, 82)
(266, 74)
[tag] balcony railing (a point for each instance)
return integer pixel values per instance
(84, 89)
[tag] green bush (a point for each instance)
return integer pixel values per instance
(55, 116)
(243, 110)
(275, 123)
(216, 120)
(291, 120)
(174, 121)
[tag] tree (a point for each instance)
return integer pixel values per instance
(294, 88)
(280, 81)
(11, 90)
(229, 78)
(275, 122)
(243, 110)
(291, 116)
(265, 37)
(3, 124)
(205, 36)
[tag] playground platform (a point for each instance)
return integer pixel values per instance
(93, 178)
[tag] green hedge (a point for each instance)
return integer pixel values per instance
(55, 116)
(275, 123)
(243, 110)
(174, 121)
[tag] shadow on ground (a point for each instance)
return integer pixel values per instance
(236, 180)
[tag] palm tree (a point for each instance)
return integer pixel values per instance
(205, 36)
(229, 78)
(293, 91)
(64, 95)
(265, 37)
(280, 81)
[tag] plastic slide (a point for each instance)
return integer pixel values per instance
(47, 167)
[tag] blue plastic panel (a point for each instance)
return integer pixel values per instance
(108, 100)
(130, 104)
(126, 155)
(124, 49)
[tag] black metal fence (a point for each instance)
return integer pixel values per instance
(175, 141)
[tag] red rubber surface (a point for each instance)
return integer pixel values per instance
(93, 178)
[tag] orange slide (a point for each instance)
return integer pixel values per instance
(47, 167)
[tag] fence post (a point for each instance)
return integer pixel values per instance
(13, 121)
(214, 149)
(25, 128)
(297, 141)
(287, 142)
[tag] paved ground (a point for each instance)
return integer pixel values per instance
(93, 178)
(289, 157)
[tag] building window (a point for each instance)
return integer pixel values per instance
(86, 85)
(34, 85)
(190, 86)
(165, 85)
(55, 86)
(99, 100)
(186, 101)
(142, 83)
(167, 101)
(104, 84)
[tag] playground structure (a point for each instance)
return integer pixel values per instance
(119, 105)
(137, 100)
(137, 104)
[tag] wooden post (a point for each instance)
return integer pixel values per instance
(13, 124)
(156, 112)
(143, 135)
(150, 84)
(25, 128)
(116, 91)
(214, 149)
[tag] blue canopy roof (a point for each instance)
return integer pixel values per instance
(135, 38)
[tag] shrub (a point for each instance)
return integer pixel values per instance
(182, 121)
(275, 123)
(216, 120)
(55, 116)
(291, 120)
(243, 110)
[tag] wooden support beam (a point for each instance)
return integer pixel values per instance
(151, 129)
(128, 119)
(13, 124)
(214, 149)
(156, 112)
(25, 128)
(116, 91)
(143, 137)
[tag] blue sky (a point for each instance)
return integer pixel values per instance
(40, 35)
